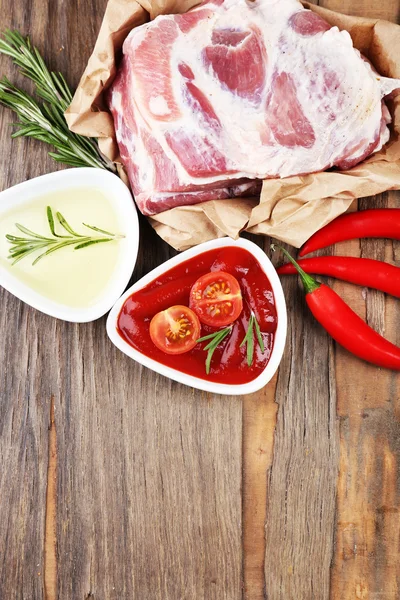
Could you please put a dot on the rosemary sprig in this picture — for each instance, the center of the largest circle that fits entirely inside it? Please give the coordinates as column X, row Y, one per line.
column 216, row 338
column 249, row 339
column 32, row 242
column 52, row 87
column 45, row 120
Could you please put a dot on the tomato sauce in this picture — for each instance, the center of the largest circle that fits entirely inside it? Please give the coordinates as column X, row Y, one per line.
column 229, row 361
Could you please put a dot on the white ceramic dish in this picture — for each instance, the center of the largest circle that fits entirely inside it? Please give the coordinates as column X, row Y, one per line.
column 122, row 201
column 196, row 382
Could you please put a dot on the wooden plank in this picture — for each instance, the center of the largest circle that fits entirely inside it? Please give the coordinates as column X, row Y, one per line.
column 300, row 514
column 148, row 471
column 50, row 536
column 24, row 419
column 259, row 420
column 367, row 557
column 28, row 375
column 287, row 519
column 302, row 477
column 367, row 561
column 150, row 481
column 125, row 515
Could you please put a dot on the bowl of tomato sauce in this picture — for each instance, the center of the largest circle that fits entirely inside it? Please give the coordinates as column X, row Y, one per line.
column 213, row 318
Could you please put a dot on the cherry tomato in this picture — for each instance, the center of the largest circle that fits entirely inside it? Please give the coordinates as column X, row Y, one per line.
column 175, row 330
column 216, row 299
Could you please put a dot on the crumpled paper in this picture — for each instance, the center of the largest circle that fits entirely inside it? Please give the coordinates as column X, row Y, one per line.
column 289, row 209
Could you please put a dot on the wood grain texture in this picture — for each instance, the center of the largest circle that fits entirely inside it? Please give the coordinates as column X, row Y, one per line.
column 148, row 498
column 302, row 477
column 154, row 509
column 302, row 538
column 366, row 562
column 24, row 421
column 50, row 536
column 148, row 471
column 367, row 557
column 259, row 421
column 28, row 376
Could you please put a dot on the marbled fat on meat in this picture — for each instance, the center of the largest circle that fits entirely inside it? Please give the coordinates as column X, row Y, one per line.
column 208, row 103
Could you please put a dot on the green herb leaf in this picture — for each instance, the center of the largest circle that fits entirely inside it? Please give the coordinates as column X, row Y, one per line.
column 250, row 348
column 53, row 248
column 63, row 222
column 259, row 336
column 97, row 229
column 17, row 256
column 14, row 238
column 91, row 242
column 216, row 338
column 24, row 246
column 207, row 337
column 29, row 232
column 50, row 220
column 249, row 339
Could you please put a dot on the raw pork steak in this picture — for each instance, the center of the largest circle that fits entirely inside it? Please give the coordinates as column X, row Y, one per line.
column 208, row 102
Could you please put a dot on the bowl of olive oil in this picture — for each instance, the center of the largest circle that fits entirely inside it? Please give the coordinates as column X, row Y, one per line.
column 68, row 242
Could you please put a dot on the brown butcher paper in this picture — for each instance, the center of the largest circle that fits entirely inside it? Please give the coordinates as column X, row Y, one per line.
column 289, row 209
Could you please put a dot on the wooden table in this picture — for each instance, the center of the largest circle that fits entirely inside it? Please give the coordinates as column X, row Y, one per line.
column 116, row 483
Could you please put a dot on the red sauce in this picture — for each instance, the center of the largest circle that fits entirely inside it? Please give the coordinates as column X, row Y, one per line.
column 229, row 362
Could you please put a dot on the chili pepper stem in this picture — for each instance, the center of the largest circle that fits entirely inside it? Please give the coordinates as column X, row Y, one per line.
column 310, row 284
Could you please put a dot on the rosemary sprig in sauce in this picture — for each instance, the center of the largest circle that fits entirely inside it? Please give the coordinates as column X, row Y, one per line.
column 249, row 339
column 34, row 242
column 215, row 339
column 218, row 336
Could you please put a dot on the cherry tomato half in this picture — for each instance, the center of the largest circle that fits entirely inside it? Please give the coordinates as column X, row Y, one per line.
column 216, row 299
column 175, row 330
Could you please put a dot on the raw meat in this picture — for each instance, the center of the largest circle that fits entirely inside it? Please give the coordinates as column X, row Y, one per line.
column 208, row 103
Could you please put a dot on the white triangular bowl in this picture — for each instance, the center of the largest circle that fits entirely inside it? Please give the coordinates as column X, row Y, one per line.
column 124, row 205
column 196, row 382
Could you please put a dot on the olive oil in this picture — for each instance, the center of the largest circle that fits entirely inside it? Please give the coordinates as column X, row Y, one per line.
column 74, row 278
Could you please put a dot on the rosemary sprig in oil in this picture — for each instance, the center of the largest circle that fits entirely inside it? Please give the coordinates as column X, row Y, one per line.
column 21, row 247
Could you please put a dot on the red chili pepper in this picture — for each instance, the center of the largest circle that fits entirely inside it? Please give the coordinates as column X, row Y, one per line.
column 362, row 271
column 345, row 326
column 373, row 223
